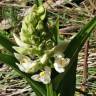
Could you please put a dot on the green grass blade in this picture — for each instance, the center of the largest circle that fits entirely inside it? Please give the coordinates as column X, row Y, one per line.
column 79, row 40
column 6, row 43
column 56, row 30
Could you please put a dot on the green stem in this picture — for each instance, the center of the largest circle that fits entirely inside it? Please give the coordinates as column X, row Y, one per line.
column 50, row 91
column 38, row 2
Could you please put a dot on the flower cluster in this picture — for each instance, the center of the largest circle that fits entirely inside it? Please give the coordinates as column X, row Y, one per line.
column 36, row 47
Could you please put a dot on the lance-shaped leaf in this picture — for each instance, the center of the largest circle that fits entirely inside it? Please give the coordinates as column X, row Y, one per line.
column 6, row 43
column 11, row 60
column 65, row 82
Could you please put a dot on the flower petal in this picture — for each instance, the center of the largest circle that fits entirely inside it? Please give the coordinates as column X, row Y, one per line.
column 36, row 77
column 60, row 62
column 23, row 50
column 58, row 68
column 43, row 58
column 20, row 67
column 44, row 76
column 19, row 42
column 48, row 70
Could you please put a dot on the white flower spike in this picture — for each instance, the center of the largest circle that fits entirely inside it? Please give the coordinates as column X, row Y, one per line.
column 44, row 76
column 60, row 62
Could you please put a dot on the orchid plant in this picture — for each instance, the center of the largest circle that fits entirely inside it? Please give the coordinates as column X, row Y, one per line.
column 46, row 62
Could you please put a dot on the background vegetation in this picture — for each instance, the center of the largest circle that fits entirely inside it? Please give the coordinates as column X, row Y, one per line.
column 72, row 18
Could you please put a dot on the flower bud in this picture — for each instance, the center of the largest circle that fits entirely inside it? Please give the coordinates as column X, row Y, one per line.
column 40, row 10
column 40, row 26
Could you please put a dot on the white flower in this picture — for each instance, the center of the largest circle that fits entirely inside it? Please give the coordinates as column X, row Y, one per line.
column 26, row 64
column 60, row 62
column 44, row 76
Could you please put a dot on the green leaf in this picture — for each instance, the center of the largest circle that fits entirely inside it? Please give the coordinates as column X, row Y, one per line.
column 6, row 43
column 66, row 86
column 79, row 40
column 56, row 30
column 65, row 82
column 11, row 60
